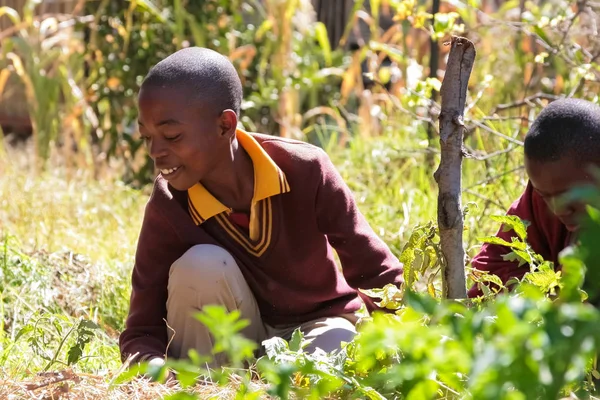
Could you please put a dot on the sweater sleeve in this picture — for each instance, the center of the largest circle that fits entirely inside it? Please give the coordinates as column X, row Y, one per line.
column 490, row 257
column 367, row 262
column 145, row 329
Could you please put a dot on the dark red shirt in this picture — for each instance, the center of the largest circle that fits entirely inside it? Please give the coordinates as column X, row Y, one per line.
column 546, row 235
column 241, row 219
column 289, row 265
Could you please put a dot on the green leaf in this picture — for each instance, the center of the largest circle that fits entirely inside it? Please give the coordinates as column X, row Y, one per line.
column 296, row 340
column 443, row 23
column 391, row 297
column 225, row 328
column 187, row 378
column 10, row 13
column 392, row 52
column 275, row 346
column 512, row 222
column 85, row 333
column 490, row 278
column 158, row 373
column 196, row 30
column 87, row 324
column 187, row 373
column 544, row 279
column 540, row 32
column 266, row 26
column 23, row 331
column 374, row 293
column 522, row 257
column 425, row 389
column 74, row 354
column 368, row 391
column 323, row 40
column 182, row 396
column 437, row 85
column 131, row 373
column 573, row 269
column 149, row 6
column 421, row 302
column 415, row 245
column 499, row 241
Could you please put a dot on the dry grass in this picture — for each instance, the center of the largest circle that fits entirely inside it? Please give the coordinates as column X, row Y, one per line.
column 67, row 384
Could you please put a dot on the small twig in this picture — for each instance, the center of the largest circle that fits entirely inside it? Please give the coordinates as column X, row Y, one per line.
column 494, row 132
column 580, row 7
column 493, row 178
column 506, row 118
column 8, row 32
column 526, row 101
column 396, row 103
column 431, row 103
column 60, row 345
column 35, row 386
column 478, row 97
column 472, row 154
column 577, row 87
column 56, row 378
column 486, row 199
column 522, row 27
column 447, row 388
column 171, row 339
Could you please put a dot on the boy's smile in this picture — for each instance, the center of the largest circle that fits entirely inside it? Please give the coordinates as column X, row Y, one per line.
column 183, row 136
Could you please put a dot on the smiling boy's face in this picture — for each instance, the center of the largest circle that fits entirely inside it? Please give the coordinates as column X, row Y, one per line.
column 553, row 179
column 186, row 139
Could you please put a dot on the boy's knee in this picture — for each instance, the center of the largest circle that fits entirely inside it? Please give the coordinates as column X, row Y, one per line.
column 329, row 334
column 201, row 267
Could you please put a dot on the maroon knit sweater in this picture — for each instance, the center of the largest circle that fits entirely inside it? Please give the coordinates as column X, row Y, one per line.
column 295, row 279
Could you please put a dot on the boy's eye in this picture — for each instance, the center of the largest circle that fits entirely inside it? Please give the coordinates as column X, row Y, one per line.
column 173, row 138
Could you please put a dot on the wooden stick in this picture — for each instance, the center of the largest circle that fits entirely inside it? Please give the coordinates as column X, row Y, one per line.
column 448, row 175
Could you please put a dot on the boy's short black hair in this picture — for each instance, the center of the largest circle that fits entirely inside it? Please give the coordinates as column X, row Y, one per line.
column 203, row 71
column 566, row 127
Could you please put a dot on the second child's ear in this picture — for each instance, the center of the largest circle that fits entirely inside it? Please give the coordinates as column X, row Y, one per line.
column 228, row 123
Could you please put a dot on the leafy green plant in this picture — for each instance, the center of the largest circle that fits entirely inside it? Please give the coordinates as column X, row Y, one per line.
column 49, row 335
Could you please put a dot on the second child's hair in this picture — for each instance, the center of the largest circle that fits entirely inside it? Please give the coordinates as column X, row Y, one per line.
column 566, row 127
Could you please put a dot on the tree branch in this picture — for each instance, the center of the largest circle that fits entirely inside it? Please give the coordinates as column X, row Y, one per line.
column 448, row 175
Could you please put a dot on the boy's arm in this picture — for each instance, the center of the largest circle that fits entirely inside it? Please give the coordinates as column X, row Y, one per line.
column 367, row 262
column 158, row 247
column 490, row 257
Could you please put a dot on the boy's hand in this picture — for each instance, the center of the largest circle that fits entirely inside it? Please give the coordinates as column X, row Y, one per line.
column 158, row 362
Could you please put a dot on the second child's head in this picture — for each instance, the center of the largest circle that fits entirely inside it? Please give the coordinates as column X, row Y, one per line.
column 560, row 147
column 189, row 106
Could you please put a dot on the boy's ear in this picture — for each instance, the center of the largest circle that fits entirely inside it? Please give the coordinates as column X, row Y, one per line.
column 228, row 123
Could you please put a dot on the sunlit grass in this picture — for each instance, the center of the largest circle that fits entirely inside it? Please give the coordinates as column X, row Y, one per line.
column 67, row 249
column 100, row 219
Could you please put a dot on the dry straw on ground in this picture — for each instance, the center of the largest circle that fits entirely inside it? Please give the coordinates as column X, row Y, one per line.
column 67, row 384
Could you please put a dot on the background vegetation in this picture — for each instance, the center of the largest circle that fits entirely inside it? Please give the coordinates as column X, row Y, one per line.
column 72, row 190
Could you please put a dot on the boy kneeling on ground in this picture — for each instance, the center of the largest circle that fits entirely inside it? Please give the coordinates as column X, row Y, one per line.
column 561, row 146
column 243, row 220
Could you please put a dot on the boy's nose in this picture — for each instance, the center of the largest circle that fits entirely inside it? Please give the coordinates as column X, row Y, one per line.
column 156, row 149
column 561, row 209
